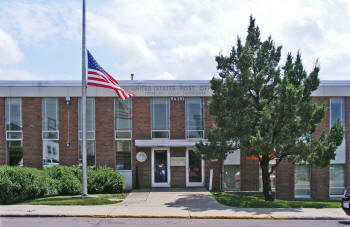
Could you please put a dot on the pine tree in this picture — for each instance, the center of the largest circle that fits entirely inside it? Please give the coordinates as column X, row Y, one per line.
column 265, row 110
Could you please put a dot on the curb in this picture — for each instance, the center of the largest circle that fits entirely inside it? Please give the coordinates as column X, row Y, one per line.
column 266, row 217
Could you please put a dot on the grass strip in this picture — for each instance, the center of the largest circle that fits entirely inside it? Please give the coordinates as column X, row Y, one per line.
column 101, row 199
column 244, row 201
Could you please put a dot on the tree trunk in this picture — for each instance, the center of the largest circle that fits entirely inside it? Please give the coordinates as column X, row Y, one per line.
column 264, row 164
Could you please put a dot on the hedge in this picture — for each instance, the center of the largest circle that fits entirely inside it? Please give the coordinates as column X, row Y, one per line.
column 18, row 184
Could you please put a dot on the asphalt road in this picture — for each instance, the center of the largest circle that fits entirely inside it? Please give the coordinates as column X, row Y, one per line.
column 96, row 222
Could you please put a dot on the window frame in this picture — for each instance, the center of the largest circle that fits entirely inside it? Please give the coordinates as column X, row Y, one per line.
column 187, row 130
column 168, row 118
column 295, row 190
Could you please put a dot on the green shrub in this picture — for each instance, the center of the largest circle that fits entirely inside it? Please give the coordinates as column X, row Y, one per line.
column 105, row 180
column 68, row 177
column 21, row 183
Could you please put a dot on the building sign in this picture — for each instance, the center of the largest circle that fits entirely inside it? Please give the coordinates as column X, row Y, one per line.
column 177, row 161
column 177, row 98
column 141, row 156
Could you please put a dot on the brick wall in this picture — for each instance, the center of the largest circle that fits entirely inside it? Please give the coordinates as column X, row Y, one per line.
column 32, row 141
column 141, row 120
column 2, row 132
column 68, row 130
column 178, row 173
column 320, row 176
column 285, row 181
column 249, row 174
column 347, row 137
column 319, row 183
column 208, row 119
column 177, row 120
column 104, row 124
column 217, row 172
column 144, row 169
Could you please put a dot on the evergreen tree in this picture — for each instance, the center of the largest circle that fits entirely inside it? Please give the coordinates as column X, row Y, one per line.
column 265, row 110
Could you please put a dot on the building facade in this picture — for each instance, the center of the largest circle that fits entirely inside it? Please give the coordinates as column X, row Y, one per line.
column 149, row 138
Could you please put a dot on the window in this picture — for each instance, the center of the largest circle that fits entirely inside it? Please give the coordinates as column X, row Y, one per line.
column 302, row 181
column 50, row 133
column 337, row 110
column 232, row 177
column 14, row 134
column 123, row 134
column 90, row 132
column 336, row 180
column 194, row 118
column 272, row 179
column 160, row 118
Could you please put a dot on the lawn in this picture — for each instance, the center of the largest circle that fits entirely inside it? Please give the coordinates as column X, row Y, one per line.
column 243, row 201
column 101, row 199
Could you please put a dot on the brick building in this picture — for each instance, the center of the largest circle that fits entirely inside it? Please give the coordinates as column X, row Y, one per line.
column 149, row 139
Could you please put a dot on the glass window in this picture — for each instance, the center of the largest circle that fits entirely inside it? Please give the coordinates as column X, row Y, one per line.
column 123, row 118
column 194, row 118
column 123, row 154
column 50, row 133
column 337, row 110
column 302, row 181
column 90, row 132
column 272, row 179
column 123, row 134
column 160, row 117
column 232, row 178
column 336, row 180
column 13, row 120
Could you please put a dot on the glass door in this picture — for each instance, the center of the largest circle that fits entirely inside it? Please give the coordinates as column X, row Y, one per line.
column 160, row 168
column 194, row 170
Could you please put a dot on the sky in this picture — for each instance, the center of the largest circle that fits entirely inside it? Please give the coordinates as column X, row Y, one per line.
column 165, row 40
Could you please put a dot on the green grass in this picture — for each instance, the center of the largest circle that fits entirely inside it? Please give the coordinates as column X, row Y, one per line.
column 243, row 201
column 101, row 199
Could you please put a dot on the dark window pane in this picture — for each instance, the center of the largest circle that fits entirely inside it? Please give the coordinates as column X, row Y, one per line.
column 14, row 153
column 123, row 155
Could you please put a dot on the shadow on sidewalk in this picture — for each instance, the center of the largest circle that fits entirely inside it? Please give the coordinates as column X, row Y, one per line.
column 205, row 202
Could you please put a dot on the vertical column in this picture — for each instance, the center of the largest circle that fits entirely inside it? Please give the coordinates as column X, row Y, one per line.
column 178, row 173
column 320, row 176
column 68, row 129
column 347, row 137
column 285, row 180
column 2, row 132
column 177, row 119
column 208, row 119
column 141, row 129
column 32, row 140
column 249, row 173
column 104, row 118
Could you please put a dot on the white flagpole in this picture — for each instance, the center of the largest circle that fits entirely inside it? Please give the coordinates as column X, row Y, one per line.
column 83, row 101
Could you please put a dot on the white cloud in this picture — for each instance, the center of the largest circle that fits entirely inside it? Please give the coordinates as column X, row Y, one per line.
column 165, row 76
column 9, row 51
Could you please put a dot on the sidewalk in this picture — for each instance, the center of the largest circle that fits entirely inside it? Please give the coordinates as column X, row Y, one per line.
column 169, row 203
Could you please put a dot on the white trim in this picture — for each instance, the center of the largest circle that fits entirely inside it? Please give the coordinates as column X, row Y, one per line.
column 194, row 184
column 167, row 184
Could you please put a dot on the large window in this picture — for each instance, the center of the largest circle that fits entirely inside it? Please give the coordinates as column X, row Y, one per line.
column 90, row 132
column 336, row 180
column 194, row 118
column 337, row 110
column 13, row 119
column 160, row 118
column 232, row 177
column 302, row 181
column 123, row 134
column 50, row 133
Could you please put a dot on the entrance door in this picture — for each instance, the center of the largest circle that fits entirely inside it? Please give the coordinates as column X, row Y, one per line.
column 160, row 168
column 194, row 170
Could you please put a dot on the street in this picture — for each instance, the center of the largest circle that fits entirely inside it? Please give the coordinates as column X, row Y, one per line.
column 96, row 222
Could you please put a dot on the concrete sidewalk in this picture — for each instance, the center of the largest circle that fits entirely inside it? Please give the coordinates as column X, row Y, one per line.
column 170, row 203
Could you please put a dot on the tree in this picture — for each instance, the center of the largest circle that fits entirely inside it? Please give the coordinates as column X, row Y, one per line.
column 265, row 110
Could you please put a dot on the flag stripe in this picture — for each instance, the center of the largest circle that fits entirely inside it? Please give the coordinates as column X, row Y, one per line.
column 98, row 77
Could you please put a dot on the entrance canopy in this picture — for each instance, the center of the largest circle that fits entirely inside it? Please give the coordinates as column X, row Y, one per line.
column 166, row 143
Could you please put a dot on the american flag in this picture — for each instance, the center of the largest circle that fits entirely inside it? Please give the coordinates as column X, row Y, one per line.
column 98, row 77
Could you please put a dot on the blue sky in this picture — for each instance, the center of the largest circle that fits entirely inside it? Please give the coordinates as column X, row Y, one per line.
column 159, row 39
